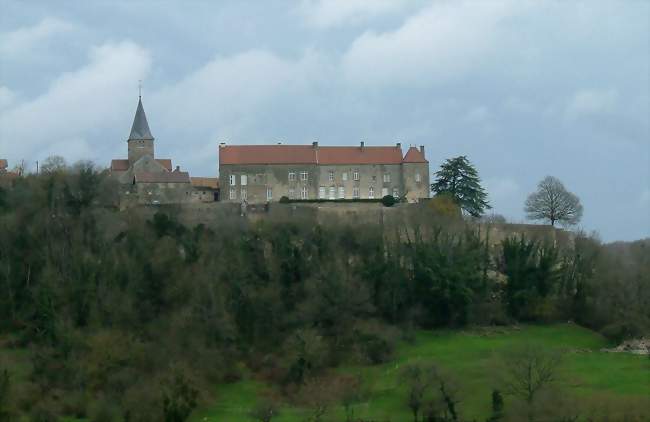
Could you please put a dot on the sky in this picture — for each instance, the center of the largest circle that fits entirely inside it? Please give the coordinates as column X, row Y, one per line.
column 524, row 89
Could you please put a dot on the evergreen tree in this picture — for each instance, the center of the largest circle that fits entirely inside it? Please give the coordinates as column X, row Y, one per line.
column 458, row 177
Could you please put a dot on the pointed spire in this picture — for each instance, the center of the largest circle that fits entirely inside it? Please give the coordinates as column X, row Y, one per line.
column 140, row 129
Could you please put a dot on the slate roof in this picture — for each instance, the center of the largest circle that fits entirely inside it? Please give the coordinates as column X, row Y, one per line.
column 414, row 155
column 309, row 154
column 123, row 165
column 140, row 128
column 205, row 182
column 167, row 177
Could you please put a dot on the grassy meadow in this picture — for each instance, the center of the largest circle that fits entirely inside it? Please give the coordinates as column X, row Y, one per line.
column 472, row 357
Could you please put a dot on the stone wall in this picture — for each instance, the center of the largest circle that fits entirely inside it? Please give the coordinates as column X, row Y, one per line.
column 402, row 219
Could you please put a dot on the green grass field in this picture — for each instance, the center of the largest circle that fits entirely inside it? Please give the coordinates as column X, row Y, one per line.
column 473, row 359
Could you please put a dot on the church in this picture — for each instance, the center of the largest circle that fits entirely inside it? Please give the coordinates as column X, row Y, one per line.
column 146, row 179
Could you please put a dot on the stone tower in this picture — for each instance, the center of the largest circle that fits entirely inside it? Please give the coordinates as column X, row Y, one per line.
column 140, row 140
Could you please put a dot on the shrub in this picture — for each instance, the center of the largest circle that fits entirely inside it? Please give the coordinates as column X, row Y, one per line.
column 444, row 205
column 179, row 400
column 284, row 200
column 374, row 342
column 388, row 200
column 620, row 331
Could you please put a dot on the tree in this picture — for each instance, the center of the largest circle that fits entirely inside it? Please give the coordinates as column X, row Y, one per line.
column 458, row 178
column 417, row 385
column 53, row 164
column 554, row 203
column 179, row 400
column 264, row 411
column 529, row 370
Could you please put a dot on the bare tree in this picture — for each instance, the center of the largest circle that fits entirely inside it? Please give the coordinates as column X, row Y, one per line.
column 431, row 393
column 417, row 384
column 53, row 164
column 264, row 411
column 529, row 370
column 554, row 203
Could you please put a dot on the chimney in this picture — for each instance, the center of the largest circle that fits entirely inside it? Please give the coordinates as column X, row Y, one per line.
column 363, row 144
column 314, row 144
column 279, row 142
column 222, row 144
column 399, row 145
column 422, row 149
column 178, row 168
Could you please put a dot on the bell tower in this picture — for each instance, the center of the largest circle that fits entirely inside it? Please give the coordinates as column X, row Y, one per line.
column 140, row 140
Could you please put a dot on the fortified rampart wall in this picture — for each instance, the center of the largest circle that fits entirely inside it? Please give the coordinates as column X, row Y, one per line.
column 404, row 220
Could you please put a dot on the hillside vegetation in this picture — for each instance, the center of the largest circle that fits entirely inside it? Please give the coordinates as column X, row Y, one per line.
column 591, row 382
column 106, row 316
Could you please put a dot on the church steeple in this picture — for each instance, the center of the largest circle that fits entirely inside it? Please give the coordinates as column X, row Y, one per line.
column 140, row 140
column 140, row 128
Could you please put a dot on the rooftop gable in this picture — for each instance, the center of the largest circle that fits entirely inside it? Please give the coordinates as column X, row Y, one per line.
column 414, row 155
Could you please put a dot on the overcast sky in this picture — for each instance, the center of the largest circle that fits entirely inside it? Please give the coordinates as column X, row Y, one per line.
column 524, row 89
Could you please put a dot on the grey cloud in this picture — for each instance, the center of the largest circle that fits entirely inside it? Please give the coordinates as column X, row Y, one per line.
column 493, row 80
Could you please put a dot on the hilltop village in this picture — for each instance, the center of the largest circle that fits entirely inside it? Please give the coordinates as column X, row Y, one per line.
column 266, row 173
column 257, row 174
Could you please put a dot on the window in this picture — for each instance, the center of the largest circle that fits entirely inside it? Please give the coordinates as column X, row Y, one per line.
column 371, row 192
column 384, row 192
column 292, row 194
column 269, row 193
column 332, row 192
column 303, row 193
column 374, row 178
column 303, row 176
column 321, row 192
column 331, row 176
column 355, row 175
column 345, row 176
column 418, row 179
column 355, row 192
column 341, row 192
column 233, row 180
column 233, row 193
column 386, row 177
column 243, row 194
column 244, row 180
column 395, row 193
column 292, row 176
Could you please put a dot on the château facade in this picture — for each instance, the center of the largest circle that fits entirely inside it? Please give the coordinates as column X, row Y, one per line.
column 265, row 173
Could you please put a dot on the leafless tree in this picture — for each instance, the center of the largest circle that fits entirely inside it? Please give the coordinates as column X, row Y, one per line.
column 53, row 164
column 264, row 411
column 554, row 203
column 417, row 384
column 530, row 369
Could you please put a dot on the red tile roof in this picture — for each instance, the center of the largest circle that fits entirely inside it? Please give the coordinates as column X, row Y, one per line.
column 308, row 154
column 119, row 165
column 414, row 155
column 267, row 154
column 165, row 162
column 166, row 177
column 123, row 165
column 205, row 182
column 358, row 155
